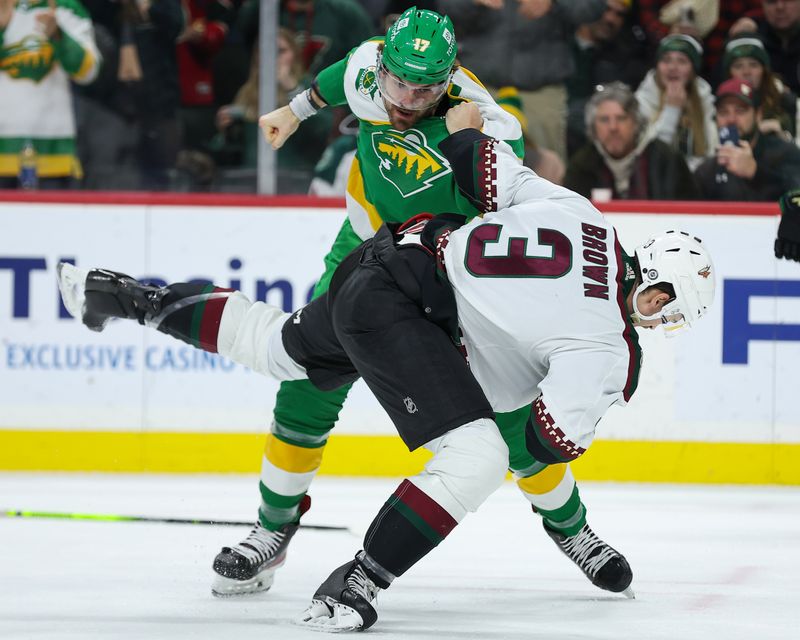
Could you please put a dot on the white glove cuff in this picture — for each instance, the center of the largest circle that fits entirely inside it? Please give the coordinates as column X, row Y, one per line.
column 303, row 105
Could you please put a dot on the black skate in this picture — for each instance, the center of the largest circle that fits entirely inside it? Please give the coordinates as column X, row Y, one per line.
column 97, row 295
column 250, row 566
column 603, row 565
column 343, row 602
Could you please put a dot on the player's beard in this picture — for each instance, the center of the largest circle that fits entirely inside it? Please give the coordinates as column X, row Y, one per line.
column 403, row 119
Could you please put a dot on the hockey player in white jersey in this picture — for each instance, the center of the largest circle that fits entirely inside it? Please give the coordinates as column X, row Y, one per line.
column 538, row 295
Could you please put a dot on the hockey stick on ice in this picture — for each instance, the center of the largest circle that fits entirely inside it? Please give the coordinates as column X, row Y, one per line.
column 100, row 517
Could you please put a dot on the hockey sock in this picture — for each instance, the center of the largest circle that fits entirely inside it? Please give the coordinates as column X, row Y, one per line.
column 407, row 527
column 287, row 469
column 553, row 494
column 468, row 464
column 191, row 313
column 304, row 416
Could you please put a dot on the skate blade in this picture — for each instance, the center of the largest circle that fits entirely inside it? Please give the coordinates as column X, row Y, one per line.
column 72, row 284
column 336, row 618
column 628, row 593
column 229, row 588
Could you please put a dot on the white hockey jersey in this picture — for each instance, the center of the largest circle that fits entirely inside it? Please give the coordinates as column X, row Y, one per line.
column 540, row 286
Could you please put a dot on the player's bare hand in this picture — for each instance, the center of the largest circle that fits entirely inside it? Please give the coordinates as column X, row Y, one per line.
column 46, row 23
column 278, row 125
column 463, row 116
column 533, row 9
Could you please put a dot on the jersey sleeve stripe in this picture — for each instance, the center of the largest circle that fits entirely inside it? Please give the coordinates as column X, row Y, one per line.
column 629, row 333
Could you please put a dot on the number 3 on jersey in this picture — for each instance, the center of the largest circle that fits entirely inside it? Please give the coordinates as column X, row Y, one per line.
column 515, row 263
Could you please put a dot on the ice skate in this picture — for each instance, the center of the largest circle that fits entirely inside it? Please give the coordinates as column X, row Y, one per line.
column 97, row 295
column 250, row 566
column 343, row 602
column 603, row 565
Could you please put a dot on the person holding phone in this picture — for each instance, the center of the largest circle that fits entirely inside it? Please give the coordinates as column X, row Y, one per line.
column 749, row 164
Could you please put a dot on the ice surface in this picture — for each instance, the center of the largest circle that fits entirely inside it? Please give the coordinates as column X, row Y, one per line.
column 709, row 563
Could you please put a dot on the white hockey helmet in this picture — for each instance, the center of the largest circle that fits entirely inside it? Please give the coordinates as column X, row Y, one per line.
column 679, row 259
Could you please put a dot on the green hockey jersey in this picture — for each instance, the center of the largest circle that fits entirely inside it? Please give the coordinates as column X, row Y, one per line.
column 398, row 174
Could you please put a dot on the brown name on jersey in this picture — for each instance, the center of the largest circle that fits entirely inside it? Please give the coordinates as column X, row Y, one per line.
column 595, row 253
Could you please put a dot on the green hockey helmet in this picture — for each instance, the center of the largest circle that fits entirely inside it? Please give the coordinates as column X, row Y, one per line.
column 420, row 47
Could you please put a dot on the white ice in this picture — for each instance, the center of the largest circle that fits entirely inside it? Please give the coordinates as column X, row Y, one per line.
column 710, row 563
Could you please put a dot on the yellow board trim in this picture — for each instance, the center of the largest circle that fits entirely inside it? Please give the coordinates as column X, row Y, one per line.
column 544, row 481
column 292, row 458
column 385, row 456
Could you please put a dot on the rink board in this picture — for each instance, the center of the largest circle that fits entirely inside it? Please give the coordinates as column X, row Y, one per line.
column 714, row 405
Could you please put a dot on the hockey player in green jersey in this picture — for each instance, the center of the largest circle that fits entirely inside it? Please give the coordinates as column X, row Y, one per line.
column 399, row 87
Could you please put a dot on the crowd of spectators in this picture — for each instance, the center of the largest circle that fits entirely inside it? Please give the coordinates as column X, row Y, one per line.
column 654, row 99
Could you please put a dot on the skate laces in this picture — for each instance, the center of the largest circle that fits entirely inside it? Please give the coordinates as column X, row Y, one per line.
column 359, row 583
column 587, row 550
column 260, row 544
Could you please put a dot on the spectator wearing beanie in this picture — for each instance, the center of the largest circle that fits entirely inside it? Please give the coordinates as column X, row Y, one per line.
column 677, row 103
column 746, row 58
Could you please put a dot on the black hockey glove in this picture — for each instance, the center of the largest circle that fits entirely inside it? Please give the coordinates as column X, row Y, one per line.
column 438, row 225
column 787, row 244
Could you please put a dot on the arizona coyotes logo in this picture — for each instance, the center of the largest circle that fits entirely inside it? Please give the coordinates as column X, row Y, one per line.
column 29, row 59
column 704, row 272
column 407, row 161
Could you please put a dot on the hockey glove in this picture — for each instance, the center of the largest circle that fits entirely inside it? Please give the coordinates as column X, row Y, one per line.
column 787, row 244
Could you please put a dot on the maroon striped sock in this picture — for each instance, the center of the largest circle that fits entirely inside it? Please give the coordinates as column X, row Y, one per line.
column 198, row 321
column 408, row 526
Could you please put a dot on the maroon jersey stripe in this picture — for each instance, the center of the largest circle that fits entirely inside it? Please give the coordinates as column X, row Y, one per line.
column 634, row 351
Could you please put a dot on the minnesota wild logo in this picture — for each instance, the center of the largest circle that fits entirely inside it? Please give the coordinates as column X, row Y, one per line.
column 366, row 82
column 30, row 59
column 407, row 161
